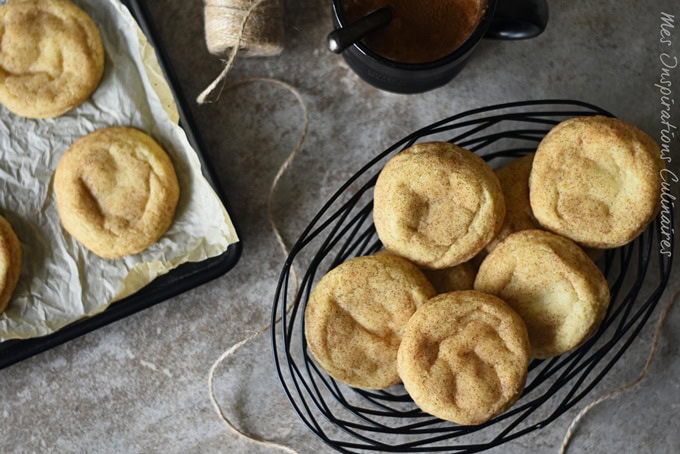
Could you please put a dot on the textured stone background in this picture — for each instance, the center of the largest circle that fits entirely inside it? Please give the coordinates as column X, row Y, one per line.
column 140, row 385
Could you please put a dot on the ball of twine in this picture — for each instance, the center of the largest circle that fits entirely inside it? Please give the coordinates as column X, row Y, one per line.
column 226, row 27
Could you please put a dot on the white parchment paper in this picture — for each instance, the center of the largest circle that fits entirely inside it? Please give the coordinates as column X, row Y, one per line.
column 61, row 281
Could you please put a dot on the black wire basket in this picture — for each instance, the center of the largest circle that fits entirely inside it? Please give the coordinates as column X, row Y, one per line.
column 355, row 420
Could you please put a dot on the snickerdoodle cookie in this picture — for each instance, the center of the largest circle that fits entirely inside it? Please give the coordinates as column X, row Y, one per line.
column 514, row 178
column 464, row 357
column 116, row 191
column 10, row 262
column 356, row 315
column 437, row 204
column 553, row 285
column 51, row 58
column 459, row 277
column 596, row 180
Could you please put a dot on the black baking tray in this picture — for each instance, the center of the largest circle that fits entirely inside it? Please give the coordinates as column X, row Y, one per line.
column 181, row 279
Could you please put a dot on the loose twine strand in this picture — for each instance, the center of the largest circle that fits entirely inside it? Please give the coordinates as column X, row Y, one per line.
column 284, row 248
column 628, row 386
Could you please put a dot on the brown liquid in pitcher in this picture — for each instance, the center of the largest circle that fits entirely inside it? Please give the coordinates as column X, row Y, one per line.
column 421, row 30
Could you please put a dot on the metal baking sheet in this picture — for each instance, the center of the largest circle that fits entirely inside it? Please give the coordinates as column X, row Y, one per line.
column 185, row 277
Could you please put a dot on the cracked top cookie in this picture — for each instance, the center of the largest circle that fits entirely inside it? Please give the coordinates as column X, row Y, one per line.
column 51, row 58
column 10, row 262
column 464, row 357
column 553, row 285
column 356, row 315
column 596, row 180
column 116, row 191
column 437, row 205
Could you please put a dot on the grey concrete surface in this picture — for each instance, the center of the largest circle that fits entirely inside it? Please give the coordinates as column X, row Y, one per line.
column 140, row 385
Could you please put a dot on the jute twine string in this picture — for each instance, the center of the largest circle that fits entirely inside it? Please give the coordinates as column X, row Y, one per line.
column 284, row 248
column 263, row 36
column 628, row 386
column 229, row 25
column 232, row 26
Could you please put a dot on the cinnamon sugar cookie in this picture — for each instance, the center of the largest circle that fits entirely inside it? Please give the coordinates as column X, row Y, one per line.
column 356, row 315
column 464, row 357
column 552, row 284
column 51, row 58
column 116, row 191
column 10, row 262
column 597, row 181
column 514, row 178
column 437, row 205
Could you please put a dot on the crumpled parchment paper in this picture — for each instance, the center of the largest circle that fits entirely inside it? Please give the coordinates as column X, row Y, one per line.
column 61, row 281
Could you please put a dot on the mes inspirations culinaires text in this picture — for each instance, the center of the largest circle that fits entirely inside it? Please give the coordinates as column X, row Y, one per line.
column 669, row 62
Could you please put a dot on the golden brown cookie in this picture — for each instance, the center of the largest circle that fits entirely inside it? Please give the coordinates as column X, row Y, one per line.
column 459, row 277
column 356, row 315
column 116, row 191
column 464, row 357
column 437, row 204
column 51, row 58
column 552, row 284
column 10, row 262
column 596, row 180
column 514, row 178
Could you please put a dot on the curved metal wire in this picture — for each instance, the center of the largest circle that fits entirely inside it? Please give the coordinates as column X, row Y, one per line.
column 353, row 420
